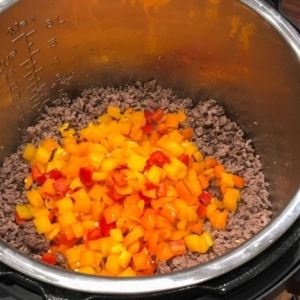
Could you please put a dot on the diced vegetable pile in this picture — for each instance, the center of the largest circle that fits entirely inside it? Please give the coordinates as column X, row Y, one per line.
column 125, row 193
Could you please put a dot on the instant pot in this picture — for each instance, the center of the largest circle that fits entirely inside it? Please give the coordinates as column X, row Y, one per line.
column 242, row 53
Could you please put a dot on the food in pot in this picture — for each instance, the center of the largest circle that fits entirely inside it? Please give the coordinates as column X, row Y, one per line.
column 54, row 190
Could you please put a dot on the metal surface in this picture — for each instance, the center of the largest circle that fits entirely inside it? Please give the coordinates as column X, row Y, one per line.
column 243, row 53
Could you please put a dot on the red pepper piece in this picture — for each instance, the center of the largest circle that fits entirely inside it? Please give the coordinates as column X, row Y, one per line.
column 147, row 168
column 35, row 172
column 205, row 197
column 146, row 199
column 105, row 228
column 158, row 158
column 94, row 234
column 201, row 210
column 86, row 176
column 147, row 129
column 184, row 158
column 41, row 179
column 158, row 115
column 54, row 174
column 115, row 196
column 51, row 216
column 62, row 240
column 161, row 190
column 119, row 178
column 61, row 185
column 49, row 258
column 19, row 220
column 150, row 186
column 148, row 116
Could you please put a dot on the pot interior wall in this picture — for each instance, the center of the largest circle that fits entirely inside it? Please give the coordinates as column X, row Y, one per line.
column 200, row 49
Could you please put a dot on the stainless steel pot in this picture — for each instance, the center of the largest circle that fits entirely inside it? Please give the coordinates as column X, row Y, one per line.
column 243, row 53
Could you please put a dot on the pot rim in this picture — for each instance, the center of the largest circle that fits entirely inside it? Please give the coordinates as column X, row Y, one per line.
column 188, row 277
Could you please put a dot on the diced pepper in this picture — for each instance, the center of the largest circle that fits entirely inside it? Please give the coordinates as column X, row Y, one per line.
column 49, row 258
column 148, row 116
column 42, row 224
column 205, row 197
column 219, row 170
column 29, row 152
column 119, row 178
column 238, row 181
column 61, row 185
column 184, row 158
column 147, row 129
column 137, row 162
column 201, row 210
column 114, row 112
column 127, row 273
column 230, row 199
column 34, row 198
column 95, row 234
column 112, row 213
column 114, row 195
column 158, row 158
column 86, row 176
column 19, row 220
column 177, row 247
column 210, row 162
column 227, row 180
column 105, row 228
column 35, row 172
column 158, row 115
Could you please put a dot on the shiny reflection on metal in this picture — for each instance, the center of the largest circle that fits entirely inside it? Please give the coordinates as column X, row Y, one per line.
column 198, row 274
column 5, row 4
column 278, row 21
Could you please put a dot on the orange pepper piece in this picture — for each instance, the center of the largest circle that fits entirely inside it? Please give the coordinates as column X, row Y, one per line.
column 238, row 181
column 187, row 133
column 219, row 170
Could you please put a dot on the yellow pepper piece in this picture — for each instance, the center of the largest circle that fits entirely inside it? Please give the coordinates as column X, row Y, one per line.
column 137, row 162
column 53, row 233
column 29, row 152
column 230, row 199
column 116, row 234
column 42, row 211
column 182, row 116
column 114, row 112
column 42, row 154
column 227, row 180
column 28, row 182
column 42, row 224
column 64, row 204
column 66, row 219
column 24, row 211
column 35, row 198
column 127, row 273
column 105, row 119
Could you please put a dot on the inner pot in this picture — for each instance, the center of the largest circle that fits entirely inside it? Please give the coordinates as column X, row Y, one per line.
column 241, row 53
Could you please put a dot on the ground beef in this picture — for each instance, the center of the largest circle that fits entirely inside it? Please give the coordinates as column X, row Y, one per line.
column 215, row 135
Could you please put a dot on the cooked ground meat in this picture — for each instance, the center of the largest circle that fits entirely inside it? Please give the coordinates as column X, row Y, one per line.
column 215, row 135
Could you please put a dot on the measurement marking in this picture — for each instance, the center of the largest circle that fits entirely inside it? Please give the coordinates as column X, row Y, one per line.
column 24, row 63
column 45, row 101
column 29, row 73
column 39, row 69
column 29, row 87
column 34, row 96
column 35, row 52
column 29, row 64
